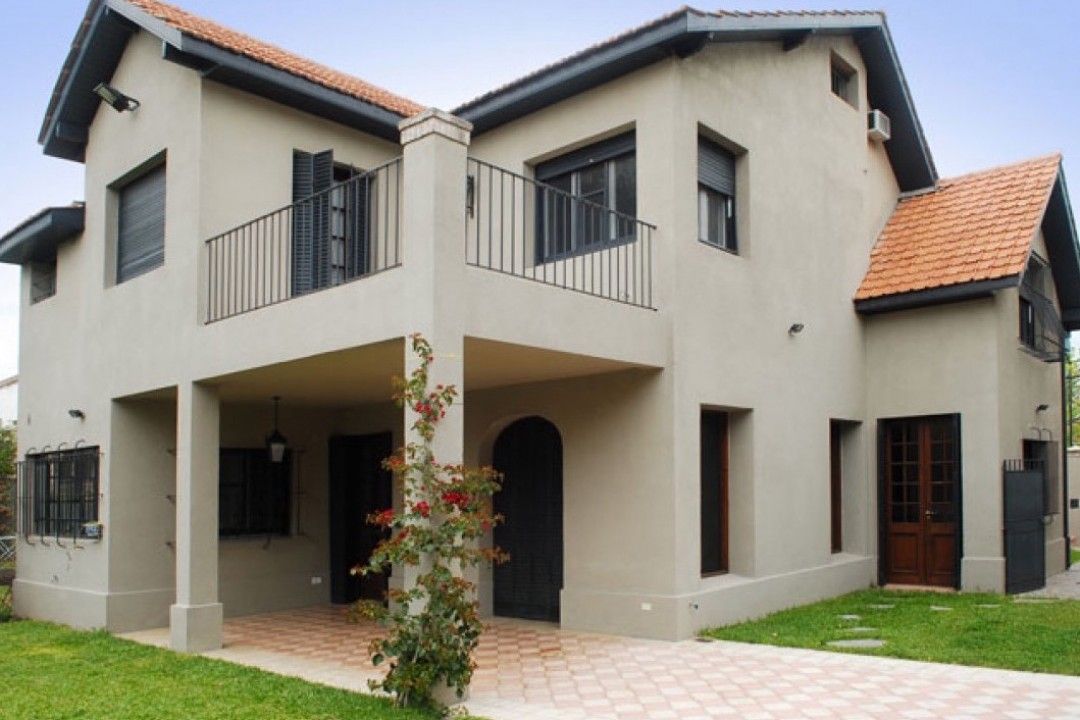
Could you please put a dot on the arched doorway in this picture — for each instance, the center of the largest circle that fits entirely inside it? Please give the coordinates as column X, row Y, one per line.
column 529, row 455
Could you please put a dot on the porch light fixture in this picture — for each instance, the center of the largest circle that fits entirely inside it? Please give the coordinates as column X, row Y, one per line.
column 795, row 329
column 117, row 100
column 275, row 441
column 1042, row 407
column 77, row 414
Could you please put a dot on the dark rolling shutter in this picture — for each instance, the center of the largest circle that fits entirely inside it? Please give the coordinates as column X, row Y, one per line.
column 312, row 173
column 716, row 167
column 141, row 225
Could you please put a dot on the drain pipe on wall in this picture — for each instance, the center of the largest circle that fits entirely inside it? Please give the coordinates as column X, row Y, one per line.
column 1066, row 442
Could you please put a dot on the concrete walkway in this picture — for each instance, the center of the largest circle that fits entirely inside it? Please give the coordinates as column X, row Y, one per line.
column 1064, row 585
column 534, row 671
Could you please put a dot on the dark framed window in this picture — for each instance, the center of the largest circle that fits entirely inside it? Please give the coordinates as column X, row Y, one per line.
column 716, row 196
column 836, row 486
column 844, row 81
column 714, row 492
column 587, row 200
column 140, row 224
column 42, row 280
column 1034, row 305
column 253, row 493
column 59, row 491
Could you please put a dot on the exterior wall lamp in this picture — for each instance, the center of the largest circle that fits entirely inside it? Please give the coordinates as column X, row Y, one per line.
column 275, row 441
column 795, row 329
column 77, row 414
column 117, row 100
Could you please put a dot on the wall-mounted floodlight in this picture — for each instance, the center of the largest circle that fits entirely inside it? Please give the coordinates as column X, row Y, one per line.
column 77, row 414
column 795, row 329
column 117, row 100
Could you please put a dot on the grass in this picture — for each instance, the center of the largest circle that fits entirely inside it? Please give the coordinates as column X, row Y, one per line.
column 5, row 603
column 1042, row 637
column 53, row 673
column 1075, row 554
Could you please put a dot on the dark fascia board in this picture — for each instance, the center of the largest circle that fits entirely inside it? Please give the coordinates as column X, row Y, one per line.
column 1059, row 231
column 100, row 44
column 683, row 33
column 935, row 296
column 36, row 239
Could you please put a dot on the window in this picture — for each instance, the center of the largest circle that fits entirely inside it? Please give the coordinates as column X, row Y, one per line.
column 844, row 81
column 330, row 222
column 140, row 235
column 1034, row 305
column 253, row 493
column 42, row 280
column 590, row 200
column 714, row 492
column 836, row 486
column 60, row 491
column 716, row 196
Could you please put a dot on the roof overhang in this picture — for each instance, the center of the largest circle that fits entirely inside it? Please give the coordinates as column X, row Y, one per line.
column 36, row 239
column 100, row 42
column 935, row 296
column 687, row 31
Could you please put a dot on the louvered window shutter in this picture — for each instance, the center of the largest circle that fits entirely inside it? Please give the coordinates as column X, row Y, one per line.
column 358, row 192
column 312, row 174
column 716, row 167
column 140, row 244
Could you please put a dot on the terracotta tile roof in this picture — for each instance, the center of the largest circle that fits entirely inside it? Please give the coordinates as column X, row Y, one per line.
column 273, row 56
column 973, row 227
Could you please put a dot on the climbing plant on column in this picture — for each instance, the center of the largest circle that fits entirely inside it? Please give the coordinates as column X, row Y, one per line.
column 433, row 626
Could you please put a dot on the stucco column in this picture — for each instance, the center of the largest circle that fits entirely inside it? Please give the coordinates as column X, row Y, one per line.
column 196, row 618
column 435, row 144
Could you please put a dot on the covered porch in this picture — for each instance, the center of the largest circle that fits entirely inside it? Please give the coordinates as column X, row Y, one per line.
column 241, row 535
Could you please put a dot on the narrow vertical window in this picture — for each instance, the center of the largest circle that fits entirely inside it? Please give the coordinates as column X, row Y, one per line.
column 716, row 196
column 714, row 492
column 836, row 486
column 844, row 79
column 140, row 245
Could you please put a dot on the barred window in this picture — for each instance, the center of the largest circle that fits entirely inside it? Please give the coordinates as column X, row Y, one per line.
column 59, row 492
column 253, row 493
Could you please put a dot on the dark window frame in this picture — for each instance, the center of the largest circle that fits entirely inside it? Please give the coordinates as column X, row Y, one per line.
column 152, row 170
column 717, row 196
column 574, row 219
column 836, row 486
column 238, row 513
column 1033, row 284
column 60, row 491
column 844, row 80
column 715, row 500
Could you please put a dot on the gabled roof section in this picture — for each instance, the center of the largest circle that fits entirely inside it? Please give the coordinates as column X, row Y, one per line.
column 36, row 238
column 973, row 235
column 220, row 53
column 686, row 31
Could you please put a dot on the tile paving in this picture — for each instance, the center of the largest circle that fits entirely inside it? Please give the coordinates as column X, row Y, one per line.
column 535, row 671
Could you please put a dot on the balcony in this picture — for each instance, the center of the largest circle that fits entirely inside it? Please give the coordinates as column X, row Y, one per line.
column 348, row 232
column 353, row 230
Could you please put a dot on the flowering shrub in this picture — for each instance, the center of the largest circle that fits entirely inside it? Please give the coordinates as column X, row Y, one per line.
column 434, row 625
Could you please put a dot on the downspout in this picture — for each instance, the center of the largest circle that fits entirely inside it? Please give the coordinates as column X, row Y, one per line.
column 1066, row 437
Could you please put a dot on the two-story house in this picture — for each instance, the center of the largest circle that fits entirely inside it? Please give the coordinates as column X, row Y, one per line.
column 731, row 340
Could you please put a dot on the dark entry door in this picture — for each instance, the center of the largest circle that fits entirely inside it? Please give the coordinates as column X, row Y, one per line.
column 358, row 486
column 1025, row 534
column 529, row 455
column 921, row 501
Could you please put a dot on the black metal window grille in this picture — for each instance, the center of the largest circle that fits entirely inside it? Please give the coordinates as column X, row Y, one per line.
column 1040, row 329
column 58, row 492
column 253, row 494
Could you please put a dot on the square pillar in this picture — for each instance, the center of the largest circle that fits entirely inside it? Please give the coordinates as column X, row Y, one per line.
column 195, row 620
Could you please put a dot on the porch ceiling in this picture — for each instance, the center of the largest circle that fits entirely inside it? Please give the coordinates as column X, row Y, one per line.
column 489, row 363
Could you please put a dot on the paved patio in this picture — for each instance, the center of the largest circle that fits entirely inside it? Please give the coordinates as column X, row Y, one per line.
column 534, row 671
column 1064, row 585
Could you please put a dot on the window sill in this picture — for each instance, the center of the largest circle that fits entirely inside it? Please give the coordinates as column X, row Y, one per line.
column 729, row 251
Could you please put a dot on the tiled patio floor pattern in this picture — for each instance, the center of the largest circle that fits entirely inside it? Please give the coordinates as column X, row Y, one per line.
column 529, row 671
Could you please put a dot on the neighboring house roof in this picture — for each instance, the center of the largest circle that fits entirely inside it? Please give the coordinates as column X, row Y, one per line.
column 972, row 235
column 686, row 31
column 222, row 54
column 36, row 238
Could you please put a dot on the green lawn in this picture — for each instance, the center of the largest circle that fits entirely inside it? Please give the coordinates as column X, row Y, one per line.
column 1042, row 636
column 48, row 673
column 1075, row 555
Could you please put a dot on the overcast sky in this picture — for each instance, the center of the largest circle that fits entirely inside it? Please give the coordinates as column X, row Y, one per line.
column 993, row 81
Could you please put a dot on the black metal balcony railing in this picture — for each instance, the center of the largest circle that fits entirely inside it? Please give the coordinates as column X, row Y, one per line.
column 347, row 232
column 521, row 227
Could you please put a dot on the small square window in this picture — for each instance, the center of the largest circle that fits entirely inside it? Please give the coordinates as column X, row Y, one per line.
column 844, row 81
column 42, row 280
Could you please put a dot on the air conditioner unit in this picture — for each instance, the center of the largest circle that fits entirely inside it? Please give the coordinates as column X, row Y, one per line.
column 878, row 127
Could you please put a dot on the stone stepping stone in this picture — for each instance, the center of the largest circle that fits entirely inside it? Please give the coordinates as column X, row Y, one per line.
column 987, row 606
column 861, row 630
column 881, row 607
column 866, row 643
column 1034, row 601
column 940, row 608
column 850, row 617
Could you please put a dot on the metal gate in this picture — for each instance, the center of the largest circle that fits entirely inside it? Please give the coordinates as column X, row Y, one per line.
column 1025, row 534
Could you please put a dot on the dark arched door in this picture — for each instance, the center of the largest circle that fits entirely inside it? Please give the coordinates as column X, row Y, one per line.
column 529, row 455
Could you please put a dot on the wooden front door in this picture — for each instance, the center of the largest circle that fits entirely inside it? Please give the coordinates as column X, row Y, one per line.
column 529, row 455
column 921, row 496
column 359, row 486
